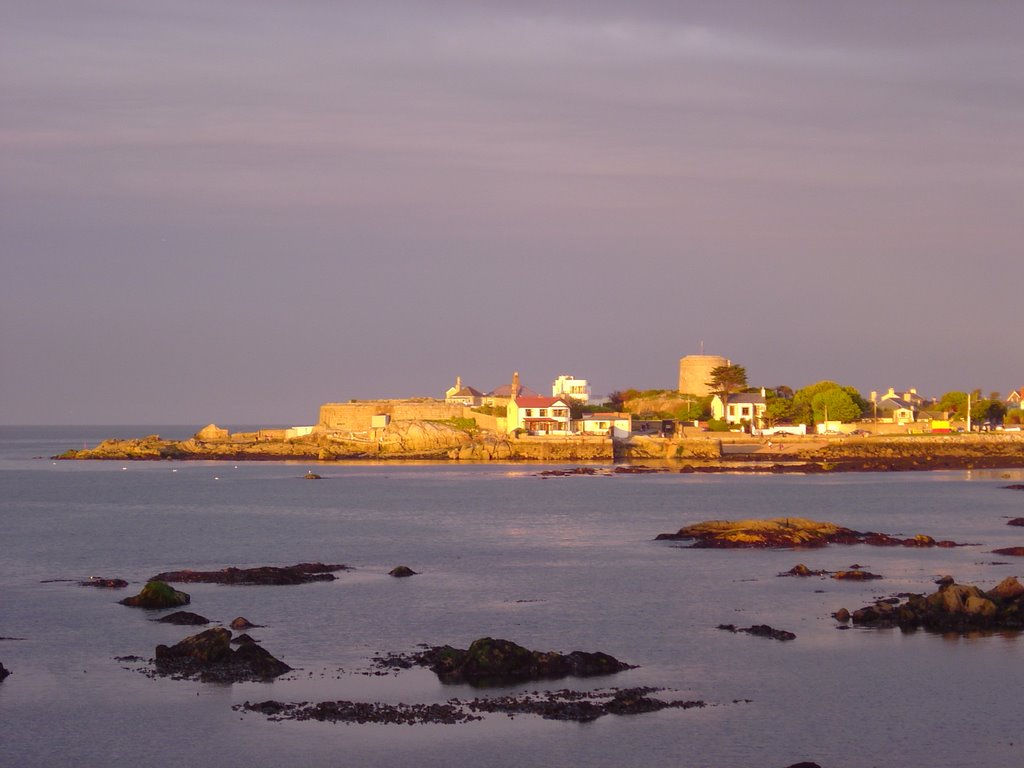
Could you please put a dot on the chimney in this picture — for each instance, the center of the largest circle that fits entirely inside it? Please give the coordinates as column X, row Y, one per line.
column 458, row 383
column 515, row 385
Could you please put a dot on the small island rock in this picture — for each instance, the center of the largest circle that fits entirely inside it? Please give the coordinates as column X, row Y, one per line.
column 209, row 657
column 157, row 594
column 401, row 571
column 490, row 661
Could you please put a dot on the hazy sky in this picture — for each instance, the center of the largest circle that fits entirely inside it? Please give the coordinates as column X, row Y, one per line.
column 234, row 211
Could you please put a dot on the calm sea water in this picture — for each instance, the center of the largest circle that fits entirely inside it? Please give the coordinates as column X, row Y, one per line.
column 560, row 563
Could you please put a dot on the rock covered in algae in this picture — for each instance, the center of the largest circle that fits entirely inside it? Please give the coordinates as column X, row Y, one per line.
column 786, row 532
column 157, row 594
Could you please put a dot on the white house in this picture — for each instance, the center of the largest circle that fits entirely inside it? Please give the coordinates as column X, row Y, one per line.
column 618, row 425
column 567, row 385
column 742, row 408
column 539, row 415
column 895, row 409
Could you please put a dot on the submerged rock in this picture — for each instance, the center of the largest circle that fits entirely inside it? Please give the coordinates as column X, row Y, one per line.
column 4, row 672
column 490, row 661
column 786, row 532
column 760, row 630
column 401, row 572
column 241, row 622
column 301, row 573
column 311, row 476
column 157, row 594
column 575, row 706
column 855, row 575
column 102, row 583
column 183, row 618
column 1012, row 551
column 209, row 657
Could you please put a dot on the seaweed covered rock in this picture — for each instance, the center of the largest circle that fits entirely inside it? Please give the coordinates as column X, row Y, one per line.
column 157, row 594
column 490, row 661
column 209, row 657
column 954, row 607
column 784, row 533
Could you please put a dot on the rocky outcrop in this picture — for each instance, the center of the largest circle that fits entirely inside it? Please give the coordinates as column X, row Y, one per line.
column 209, row 657
column 157, row 594
column 954, row 607
column 241, row 622
column 760, row 630
column 401, row 572
column 857, row 574
column 3, row 672
column 490, row 661
column 1010, row 551
column 786, row 532
column 301, row 573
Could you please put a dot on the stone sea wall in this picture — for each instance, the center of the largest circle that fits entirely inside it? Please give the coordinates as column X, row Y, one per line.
column 444, row 441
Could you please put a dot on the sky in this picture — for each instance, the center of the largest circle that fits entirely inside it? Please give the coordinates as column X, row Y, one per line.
column 234, row 211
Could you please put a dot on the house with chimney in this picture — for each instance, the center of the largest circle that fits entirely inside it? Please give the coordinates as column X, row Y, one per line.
column 538, row 415
column 741, row 408
column 463, row 395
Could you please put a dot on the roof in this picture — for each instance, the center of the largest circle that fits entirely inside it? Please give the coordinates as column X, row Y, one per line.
column 894, row 403
column 468, row 392
column 540, row 402
column 605, row 416
column 755, row 398
column 505, row 390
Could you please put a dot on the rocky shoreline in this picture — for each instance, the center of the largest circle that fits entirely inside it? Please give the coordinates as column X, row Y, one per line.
column 708, row 453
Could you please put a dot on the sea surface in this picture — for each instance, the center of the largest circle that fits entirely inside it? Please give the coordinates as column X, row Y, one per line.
column 551, row 563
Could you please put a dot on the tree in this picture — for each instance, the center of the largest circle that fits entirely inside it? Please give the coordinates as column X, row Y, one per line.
column 953, row 402
column 803, row 408
column 834, row 405
column 991, row 411
column 727, row 379
column 778, row 410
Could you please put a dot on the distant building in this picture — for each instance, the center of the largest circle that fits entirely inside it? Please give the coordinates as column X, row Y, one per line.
column 618, row 425
column 570, row 386
column 501, row 395
column 695, row 372
column 463, row 395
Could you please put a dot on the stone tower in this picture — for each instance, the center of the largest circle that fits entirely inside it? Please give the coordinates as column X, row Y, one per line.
column 694, row 372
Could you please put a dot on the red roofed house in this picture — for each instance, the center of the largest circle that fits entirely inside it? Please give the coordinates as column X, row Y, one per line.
column 539, row 415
